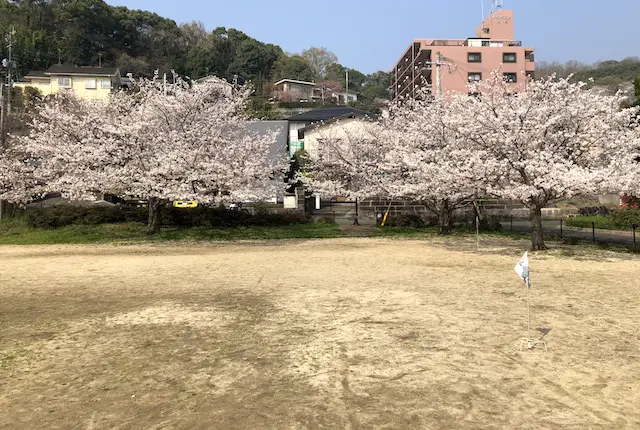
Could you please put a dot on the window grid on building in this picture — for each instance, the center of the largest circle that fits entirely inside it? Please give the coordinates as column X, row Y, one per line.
column 509, row 57
column 474, row 57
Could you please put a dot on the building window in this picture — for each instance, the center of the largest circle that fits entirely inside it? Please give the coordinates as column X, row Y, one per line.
column 475, row 77
column 90, row 84
column 485, row 30
column 474, row 57
column 511, row 77
column 486, row 43
column 509, row 57
column 105, row 84
column 64, row 82
column 295, row 147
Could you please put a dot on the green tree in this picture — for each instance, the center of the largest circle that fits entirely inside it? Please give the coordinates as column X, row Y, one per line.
column 319, row 59
column 253, row 59
column 292, row 67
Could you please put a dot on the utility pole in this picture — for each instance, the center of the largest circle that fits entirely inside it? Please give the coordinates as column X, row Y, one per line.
column 438, row 63
column 5, row 105
column 438, row 74
column 9, row 79
column 3, row 112
column 346, row 97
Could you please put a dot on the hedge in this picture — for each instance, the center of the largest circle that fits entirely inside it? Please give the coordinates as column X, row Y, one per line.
column 59, row 216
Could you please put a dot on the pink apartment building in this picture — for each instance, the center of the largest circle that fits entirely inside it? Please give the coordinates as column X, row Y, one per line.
column 472, row 59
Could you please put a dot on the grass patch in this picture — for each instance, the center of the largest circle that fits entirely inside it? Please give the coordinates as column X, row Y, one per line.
column 602, row 222
column 16, row 232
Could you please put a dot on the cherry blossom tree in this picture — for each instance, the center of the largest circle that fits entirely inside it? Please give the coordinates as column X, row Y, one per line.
column 415, row 153
column 429, row 161
column 345, row 160
column 553, row 141
column 625, row 166
column 180, row 142
column 17, row 182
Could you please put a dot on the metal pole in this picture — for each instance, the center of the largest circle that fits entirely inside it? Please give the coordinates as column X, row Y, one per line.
column 560, row 228
column 355, row 221
column 512, row 223
column 529, row 307
column 438, row 75
column 346, row 101
column 477, row 231
column 593, row 231
column 9, row 83
column 3, row 112
column 634, row 233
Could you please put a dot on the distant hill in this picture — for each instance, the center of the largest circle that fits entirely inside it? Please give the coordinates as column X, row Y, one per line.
column 610, row 75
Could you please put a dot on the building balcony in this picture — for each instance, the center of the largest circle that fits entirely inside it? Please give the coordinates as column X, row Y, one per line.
column 448, row 43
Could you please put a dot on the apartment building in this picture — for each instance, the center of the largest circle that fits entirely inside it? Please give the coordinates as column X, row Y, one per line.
column 465, row 60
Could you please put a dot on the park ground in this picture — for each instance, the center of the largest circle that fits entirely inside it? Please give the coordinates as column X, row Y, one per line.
column 349, row 333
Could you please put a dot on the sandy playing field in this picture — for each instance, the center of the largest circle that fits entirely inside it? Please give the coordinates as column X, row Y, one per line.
column 325, row 334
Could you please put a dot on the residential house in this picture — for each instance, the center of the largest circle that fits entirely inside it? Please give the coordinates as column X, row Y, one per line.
column 95, row 83
column 317, row 116
column 293, row 90
column 341, row 127
column 465, row 60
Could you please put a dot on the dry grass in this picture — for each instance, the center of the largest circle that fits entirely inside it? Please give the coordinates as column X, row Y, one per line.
column 345, row 333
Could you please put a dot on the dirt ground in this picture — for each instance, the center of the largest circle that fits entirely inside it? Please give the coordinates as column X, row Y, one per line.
column 323, row 334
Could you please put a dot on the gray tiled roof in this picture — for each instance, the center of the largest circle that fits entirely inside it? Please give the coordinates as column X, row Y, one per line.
column 69, row 69
column 326, row 113
column 279, row 145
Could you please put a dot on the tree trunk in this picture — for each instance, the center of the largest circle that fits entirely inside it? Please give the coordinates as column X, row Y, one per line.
column 445, row 218
column 155, row 207
column 537, row 237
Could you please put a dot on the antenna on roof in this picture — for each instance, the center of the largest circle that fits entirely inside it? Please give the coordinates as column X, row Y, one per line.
column 496, row 5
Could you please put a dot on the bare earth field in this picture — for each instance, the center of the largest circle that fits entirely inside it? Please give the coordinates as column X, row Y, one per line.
column 324, row 334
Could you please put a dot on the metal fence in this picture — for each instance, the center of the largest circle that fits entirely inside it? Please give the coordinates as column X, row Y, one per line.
column 558, row 228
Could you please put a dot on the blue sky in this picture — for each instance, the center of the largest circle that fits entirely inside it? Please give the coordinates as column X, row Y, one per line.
column 371, row 35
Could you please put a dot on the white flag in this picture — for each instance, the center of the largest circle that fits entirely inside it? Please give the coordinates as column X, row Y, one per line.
column 522, row 269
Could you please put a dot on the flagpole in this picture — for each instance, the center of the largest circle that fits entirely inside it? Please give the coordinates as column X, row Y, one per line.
column 522, row 269
column 529, row 306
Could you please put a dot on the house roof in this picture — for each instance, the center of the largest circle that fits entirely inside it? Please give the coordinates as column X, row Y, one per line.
column 69, row 69
column 326, row 113
column 331, row 121
column 36, row 74
column 293, row 81
column 278, row 147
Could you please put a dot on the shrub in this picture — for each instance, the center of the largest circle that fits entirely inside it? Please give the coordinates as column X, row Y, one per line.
column 624, row 219
column 406, row 220
column 490, row 223
column 593, row 211
column 219, row 217
column 60, row 216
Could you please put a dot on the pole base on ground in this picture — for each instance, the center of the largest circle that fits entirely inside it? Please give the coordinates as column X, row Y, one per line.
column 530, row 344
